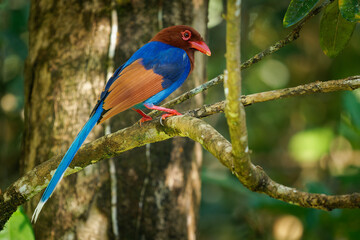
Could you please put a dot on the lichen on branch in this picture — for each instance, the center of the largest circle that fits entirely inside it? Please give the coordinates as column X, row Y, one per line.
column 346, row 84
column 234, row 110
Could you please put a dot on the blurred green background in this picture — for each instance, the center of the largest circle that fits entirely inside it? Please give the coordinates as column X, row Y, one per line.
column 311, row 142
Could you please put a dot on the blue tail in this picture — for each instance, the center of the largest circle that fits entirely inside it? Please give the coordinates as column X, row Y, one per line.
column 65, row 162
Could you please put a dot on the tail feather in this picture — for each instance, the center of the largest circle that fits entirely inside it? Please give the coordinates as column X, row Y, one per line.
column 65, row 162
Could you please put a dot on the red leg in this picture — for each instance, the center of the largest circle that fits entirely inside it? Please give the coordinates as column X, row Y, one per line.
column 170, row 112
column 144, row 116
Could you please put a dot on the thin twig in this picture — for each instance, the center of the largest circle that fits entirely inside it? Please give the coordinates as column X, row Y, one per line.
column 195, row 91
column 292, row 36
column 346, row 84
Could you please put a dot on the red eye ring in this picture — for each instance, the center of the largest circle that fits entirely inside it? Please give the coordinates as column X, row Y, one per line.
column 186, row 35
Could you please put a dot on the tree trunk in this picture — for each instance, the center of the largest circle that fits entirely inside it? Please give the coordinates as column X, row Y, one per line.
column 158, row 186
column 64, row 77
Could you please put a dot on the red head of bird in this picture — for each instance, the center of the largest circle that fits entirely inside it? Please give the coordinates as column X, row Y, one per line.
column 183, row 37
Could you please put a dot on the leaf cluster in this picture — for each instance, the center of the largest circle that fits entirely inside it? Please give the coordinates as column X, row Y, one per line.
column 337, row 22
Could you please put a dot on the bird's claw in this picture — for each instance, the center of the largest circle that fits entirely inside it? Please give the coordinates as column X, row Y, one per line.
column 145, row 119
column 161, row 122
column 164, row 116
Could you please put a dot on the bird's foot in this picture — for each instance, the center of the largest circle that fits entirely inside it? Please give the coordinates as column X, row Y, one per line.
column 144, row 118
column 169, row 112
column 173, row 113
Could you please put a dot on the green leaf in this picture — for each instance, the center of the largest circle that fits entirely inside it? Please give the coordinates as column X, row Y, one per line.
column 297, row 10
column 350, row 10
column 335, row 31
column 18, row 227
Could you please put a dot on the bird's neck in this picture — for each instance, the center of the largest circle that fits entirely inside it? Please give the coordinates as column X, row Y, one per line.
column 167, row 40
column 191, row 55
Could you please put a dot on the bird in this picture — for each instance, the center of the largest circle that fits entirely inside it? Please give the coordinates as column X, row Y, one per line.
column 150, row 75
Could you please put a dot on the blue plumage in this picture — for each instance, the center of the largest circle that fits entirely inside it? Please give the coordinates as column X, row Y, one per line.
column 171, row 62
column 65, row 162
column 148, row 77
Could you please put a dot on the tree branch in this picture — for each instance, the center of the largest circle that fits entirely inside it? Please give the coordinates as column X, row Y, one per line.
column 234, row 110
column 349, row 84
column 123, row 140
column 103, row 148
column 113, row 144
column 217, row 145
column 292, row 36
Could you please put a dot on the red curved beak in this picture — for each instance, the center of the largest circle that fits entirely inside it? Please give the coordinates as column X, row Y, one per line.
column 201, row 47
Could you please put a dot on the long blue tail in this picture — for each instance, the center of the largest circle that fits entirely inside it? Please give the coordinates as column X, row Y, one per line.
column 65, row 162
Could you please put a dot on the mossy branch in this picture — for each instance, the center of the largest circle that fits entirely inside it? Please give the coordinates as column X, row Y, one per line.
column 217, row 145
column 234, row 109
column 113, row 144
column 346, row 84
column 135, row 136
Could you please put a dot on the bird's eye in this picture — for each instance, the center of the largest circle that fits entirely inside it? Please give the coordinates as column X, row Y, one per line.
column 186, row 35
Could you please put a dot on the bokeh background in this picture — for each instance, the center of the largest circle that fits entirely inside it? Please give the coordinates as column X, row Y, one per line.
column 310, row 142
